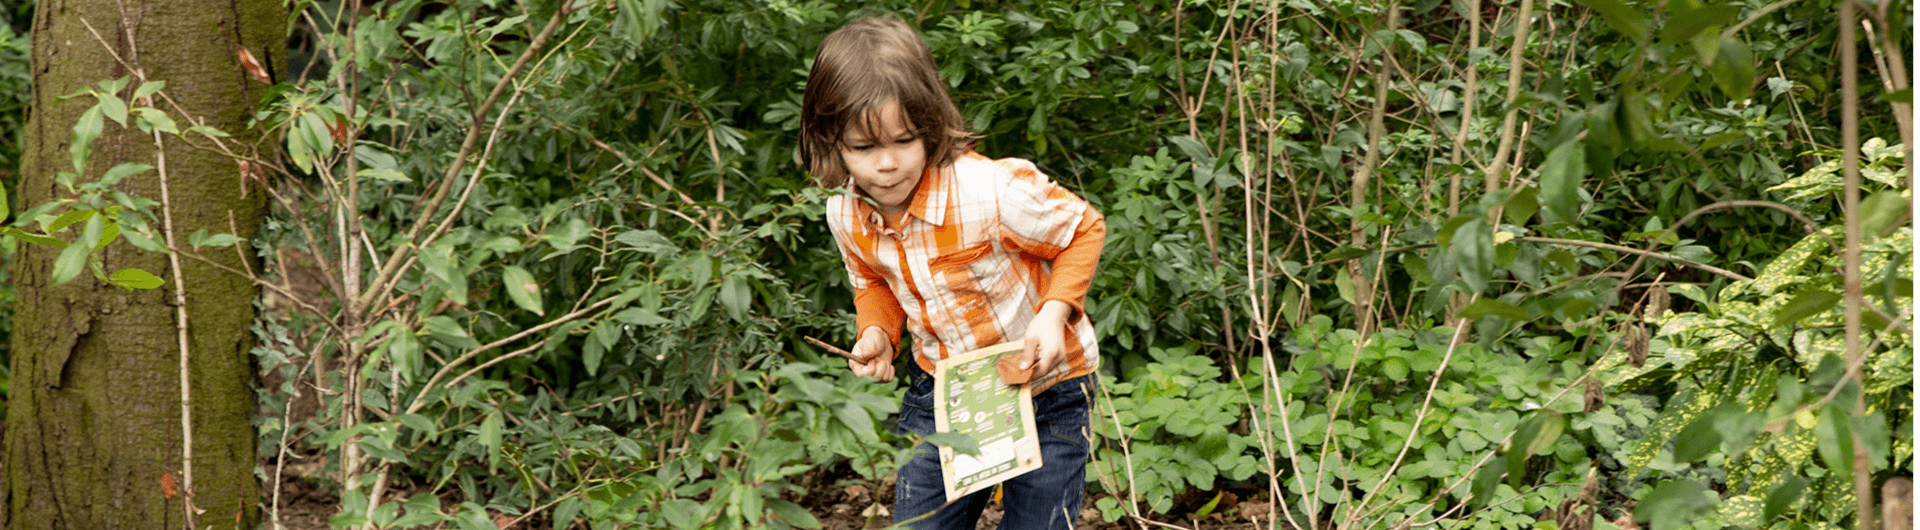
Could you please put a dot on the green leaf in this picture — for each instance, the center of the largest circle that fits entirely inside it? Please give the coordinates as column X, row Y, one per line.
column 148, row 88
column 1783, row 497
column 384, row 175
column 1522, row 206
column 1698, row 439
column 1675, row 504
column 122, row 171
column 1473, row 251
column 1490, row 306
column 112, row 107
column 1623, row 18
column 132, row 278
column 71, row 261
column 208, row 131
column 683, row 513
column 961, row 443
column 1485, row 482
column 68, row 219
column 567, row 511
column 858, row 420
column 1684, row 25
column 152, row 119
column 1805, row 304
column 792, row 513
column 1834, row 439
column 1560, row 178
column 84, row 131
column 490, row 431
column 1880, row 211
column 524, row 291
column 736, row 297
column 1733, row 69
column 33, row 238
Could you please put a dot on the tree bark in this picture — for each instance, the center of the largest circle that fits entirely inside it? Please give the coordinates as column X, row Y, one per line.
column 94, row 424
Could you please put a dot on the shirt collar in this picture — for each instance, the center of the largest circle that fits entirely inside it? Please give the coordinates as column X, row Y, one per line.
column 929, row 203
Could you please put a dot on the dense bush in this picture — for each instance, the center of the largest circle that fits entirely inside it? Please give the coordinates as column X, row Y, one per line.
column 1364, row 259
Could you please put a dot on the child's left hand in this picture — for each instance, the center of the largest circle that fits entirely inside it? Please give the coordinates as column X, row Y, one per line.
column 1046, row 343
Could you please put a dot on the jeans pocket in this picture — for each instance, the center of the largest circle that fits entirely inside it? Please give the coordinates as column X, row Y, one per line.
column 1062, row 410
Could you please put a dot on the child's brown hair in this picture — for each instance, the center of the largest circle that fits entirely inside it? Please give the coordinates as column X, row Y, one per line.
column 858, row 69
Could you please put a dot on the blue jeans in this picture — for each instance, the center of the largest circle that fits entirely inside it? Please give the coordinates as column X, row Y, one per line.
column 1048, row 497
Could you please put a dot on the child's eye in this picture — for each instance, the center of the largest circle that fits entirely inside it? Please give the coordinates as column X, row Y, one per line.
column 905, row 141
column 860, row 147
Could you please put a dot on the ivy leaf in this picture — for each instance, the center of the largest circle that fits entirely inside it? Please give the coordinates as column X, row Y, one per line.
column 1473, row 251
column 522, row 289
column 1805, row 304
column 1486, row 480
column 1560, row 178
column 1675, row 504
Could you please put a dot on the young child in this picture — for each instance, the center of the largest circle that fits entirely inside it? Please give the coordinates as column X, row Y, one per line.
column 963, row 251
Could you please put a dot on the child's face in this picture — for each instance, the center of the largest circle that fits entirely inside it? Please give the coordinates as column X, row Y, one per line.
column 885, row 164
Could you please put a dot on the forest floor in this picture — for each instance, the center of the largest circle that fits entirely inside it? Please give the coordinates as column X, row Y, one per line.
column 305, row 506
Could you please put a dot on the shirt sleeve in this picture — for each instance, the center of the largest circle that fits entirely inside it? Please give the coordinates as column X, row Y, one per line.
column 873, row 301
column 1045, row 220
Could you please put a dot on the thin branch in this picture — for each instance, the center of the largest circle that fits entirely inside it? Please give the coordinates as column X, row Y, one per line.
column 1637, row 252
column 391, row 272
column 421, row 399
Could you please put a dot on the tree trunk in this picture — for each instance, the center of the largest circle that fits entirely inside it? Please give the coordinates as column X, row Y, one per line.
column 94, row 436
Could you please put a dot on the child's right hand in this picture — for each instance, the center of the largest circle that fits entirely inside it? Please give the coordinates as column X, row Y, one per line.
column 878, row 352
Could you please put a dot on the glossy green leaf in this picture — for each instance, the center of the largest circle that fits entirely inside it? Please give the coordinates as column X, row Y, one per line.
column 132, row 278
column 1560, row 179
column 522, row 289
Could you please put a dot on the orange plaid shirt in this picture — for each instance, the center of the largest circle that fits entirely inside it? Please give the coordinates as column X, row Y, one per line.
column 984, row 243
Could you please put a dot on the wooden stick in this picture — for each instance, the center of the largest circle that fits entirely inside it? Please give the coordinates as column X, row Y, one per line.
column 829, row 347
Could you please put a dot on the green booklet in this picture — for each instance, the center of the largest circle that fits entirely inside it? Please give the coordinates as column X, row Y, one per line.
column 969, row 398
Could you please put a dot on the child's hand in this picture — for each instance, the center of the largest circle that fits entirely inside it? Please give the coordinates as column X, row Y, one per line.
column 878, row 352
column 1046, row 343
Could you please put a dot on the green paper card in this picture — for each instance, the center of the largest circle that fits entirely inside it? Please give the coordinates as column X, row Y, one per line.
column 969, row 398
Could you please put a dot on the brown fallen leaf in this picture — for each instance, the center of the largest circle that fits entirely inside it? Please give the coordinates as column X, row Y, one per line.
column 252, row 66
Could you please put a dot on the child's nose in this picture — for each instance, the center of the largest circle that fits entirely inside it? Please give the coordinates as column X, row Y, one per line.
column 886, row 160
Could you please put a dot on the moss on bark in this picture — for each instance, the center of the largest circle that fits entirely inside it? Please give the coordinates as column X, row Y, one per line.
column 94, row 431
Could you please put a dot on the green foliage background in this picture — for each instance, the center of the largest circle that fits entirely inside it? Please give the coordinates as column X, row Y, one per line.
column 608, row 329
